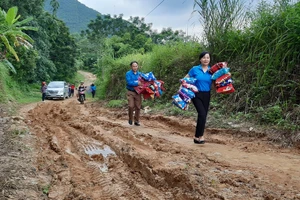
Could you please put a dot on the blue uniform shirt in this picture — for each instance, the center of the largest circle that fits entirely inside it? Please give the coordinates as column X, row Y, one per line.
column 132, row 79
column 93, row 88
column 203, row 82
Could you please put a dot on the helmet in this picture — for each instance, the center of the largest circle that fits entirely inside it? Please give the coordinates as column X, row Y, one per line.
column 81, row 82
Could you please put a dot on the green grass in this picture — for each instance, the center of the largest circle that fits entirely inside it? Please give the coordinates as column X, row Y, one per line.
column 30, row 98
column 21, row 93
column 116, row 103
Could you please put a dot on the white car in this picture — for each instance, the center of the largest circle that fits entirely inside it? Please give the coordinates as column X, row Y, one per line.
column 57, row 90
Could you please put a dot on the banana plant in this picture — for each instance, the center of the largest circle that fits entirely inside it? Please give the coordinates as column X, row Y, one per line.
column 12, row 35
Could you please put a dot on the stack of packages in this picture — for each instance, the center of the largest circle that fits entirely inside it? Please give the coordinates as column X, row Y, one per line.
column 185, row 93
column 222, row 77
column 150, row 87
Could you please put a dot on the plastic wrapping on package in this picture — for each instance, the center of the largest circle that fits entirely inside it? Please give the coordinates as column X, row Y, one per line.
column 184, row 97
column 190, row 86
column 177, row 101
column 219, row 73
column 224, row 83
column 188, row 80
column 188, row 92
column 217, row 66
column 148, row 76
column 223, row 78
column 150, row 89
column 226, row 89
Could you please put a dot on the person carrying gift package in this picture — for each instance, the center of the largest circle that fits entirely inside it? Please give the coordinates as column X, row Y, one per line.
column 134, row 99
column 202, row 97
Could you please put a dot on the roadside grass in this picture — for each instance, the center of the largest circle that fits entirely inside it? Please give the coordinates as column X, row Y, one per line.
column 116, row 103
column 76, row 80
column 11, row 91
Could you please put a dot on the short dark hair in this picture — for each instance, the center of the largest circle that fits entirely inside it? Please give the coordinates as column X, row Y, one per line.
column 203, row 54
column 133, row 62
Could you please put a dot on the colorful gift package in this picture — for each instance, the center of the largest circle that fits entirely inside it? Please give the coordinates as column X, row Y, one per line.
column 221, row 75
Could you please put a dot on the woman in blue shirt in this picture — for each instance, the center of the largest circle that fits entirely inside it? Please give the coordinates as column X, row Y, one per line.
column 202, row 98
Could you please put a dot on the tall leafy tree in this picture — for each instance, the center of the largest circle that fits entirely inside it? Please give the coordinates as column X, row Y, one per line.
column 43, row 61
column 63, row 52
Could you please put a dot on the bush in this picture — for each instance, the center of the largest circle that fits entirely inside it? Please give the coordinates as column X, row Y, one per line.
column 116, row 103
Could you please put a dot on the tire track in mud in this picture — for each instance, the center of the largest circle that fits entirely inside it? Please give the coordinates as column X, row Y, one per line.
column 92, row 153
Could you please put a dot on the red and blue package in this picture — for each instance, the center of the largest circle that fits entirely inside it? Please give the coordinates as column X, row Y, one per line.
column 219, row 73
column 188, row 80
column 177, row 101
column 226, row 89
column 217, row 66
column 188, row 92
column 184, row 97
column 148, row 76
column 224, row 83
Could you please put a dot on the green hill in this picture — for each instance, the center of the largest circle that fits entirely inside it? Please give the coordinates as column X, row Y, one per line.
column 75, row 14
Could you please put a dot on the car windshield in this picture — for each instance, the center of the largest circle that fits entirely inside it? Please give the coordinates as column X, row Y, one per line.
column 56, row 85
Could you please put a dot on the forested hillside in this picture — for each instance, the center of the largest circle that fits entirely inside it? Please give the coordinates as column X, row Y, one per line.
column 75, row 14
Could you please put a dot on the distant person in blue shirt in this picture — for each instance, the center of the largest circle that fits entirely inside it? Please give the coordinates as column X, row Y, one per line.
column 134, row 99
column 93, row 90
column 202, row 98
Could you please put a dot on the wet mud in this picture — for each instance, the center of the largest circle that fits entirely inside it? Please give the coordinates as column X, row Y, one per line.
column 91, row 152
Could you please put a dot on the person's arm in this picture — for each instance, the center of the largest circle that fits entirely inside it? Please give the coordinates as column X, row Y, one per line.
column 130, row 81
column 213, row 85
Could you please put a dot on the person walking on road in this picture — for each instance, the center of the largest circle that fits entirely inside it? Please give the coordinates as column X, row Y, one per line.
column 93, row 89
column 202, row 98
column 72, row 90
column 134, row 99
column 43, row 90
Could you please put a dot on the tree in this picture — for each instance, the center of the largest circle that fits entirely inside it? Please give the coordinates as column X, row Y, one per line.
column 11, row 34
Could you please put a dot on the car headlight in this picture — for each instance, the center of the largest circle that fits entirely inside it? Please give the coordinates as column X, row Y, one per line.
column 60, row 92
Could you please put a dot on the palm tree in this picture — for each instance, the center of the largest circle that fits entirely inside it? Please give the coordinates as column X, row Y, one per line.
column 11, row 34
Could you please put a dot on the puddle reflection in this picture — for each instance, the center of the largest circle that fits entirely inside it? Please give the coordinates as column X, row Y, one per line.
column 96, row 150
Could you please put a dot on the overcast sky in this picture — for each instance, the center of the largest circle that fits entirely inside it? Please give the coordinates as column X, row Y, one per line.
column 176, row 14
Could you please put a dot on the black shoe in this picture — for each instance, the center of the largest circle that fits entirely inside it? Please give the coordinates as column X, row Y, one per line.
column 199, row 141
column 137, row 123
column 130, row 122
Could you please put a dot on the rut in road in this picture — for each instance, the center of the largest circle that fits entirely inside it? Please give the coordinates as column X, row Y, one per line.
column 90, row 152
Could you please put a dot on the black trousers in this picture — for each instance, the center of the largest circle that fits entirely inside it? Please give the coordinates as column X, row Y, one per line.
column 201, row 103
column 43, row 96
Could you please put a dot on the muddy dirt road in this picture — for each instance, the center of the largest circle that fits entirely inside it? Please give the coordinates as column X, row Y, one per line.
column 91, row 152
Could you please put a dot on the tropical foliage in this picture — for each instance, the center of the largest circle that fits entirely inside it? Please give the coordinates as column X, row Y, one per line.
column 54, row 52
column 12, row 35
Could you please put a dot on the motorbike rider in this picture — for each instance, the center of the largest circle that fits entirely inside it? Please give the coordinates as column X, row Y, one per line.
column 81, row 87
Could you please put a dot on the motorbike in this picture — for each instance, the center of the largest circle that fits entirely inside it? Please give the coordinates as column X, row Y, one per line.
column 81, row 92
